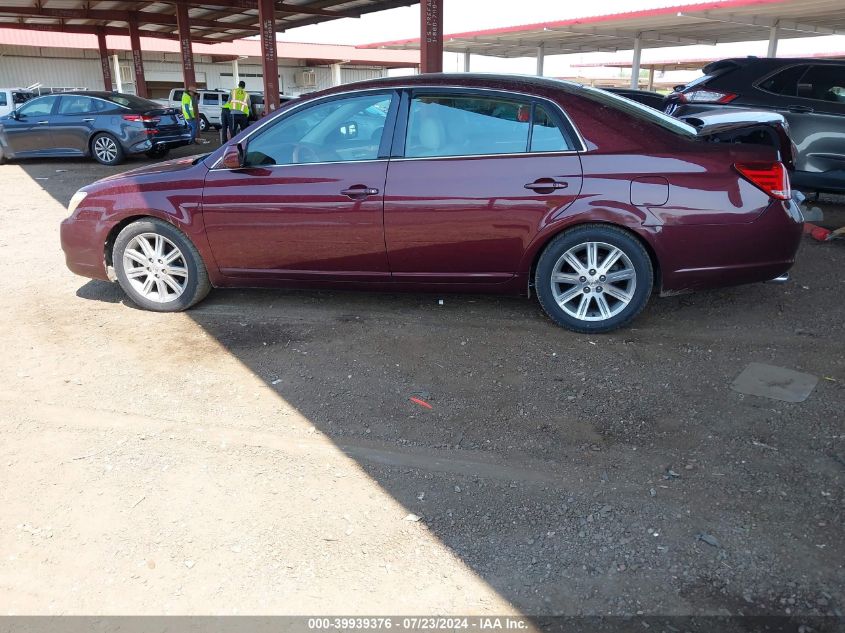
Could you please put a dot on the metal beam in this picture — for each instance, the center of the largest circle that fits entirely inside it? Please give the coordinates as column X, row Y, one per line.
column 783, row 25
column 104, row 60
column 118, row 79
column 651, row 36
column 269, row 59
column 541, row 58
column 91, row 29
column 773, row 41
column 137, row 60
column 431, row 36
column 466, row 61
column 635, row 63
column 185, row 47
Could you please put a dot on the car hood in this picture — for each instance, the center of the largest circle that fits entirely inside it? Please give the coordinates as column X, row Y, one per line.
column 177, row 164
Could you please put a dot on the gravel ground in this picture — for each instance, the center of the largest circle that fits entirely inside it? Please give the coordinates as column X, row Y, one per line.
column 259, row 454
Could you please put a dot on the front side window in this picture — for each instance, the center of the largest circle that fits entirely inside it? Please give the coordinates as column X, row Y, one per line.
column 3, row 100
column 348, row 129
column 38, row 107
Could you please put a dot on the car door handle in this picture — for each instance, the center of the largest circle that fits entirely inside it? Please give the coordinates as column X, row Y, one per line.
column 357, row 192
column 546, row 185
column 43, row 122
column 88, row 120
column 800, row 109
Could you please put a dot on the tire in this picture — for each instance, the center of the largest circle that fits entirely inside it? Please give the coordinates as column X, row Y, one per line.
column 589, row 298
column 158, row 153
column 132, row 271
column 203, row 123
column 106, row 149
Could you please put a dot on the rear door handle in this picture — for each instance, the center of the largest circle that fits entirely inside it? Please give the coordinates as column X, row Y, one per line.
column 546, row 185
column 800, row 109
column 88, row 120
column 358, row 192
column 43, row 122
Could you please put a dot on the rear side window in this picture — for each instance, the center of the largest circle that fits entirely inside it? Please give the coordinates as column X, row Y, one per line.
column 80, row 105
column 177, row 95
column 785, row 82
column 3, row 99
column 546, row 136
column 211, row 98
column 823, row 83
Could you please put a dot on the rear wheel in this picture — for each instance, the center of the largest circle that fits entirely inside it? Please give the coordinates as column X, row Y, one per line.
column 594, row 278
column 158, row 267
column 106, row 149
column 203, row 123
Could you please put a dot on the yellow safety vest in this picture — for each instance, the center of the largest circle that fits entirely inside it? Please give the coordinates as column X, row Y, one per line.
column 239, row 101
column 187, row 105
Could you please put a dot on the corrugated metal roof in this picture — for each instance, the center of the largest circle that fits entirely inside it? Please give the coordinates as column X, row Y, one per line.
column 703, row 23
column 215, row 20
column 323, row 53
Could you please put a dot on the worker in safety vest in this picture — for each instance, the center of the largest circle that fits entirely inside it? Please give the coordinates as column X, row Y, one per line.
column 189, row 110
column 239, row 108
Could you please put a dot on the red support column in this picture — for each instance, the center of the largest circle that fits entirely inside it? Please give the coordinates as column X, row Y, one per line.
column 137, row 60
column 431, row 36
column 270, row 64
column 183, row 21
column 105, row 62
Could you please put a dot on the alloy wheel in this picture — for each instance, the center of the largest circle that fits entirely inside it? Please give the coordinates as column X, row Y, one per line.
column 105, row 148
column 155, row 267
column 593, row 281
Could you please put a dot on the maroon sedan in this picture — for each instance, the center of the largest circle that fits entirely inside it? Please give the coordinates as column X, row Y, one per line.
column 474, row 183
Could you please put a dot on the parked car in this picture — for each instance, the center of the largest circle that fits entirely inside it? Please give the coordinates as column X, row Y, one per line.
column 646, row 97
column 107, row 126
column 210, row 102
column 11, row 98
column 478, row 183
column 809, row 93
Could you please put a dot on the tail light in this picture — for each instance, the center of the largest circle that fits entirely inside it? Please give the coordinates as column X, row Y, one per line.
column 706, row 96
column 141, row 118
column 770, row 177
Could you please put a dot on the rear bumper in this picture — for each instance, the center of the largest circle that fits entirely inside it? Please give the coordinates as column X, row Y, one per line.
column 695, row 257
column 826, row 181
column 154, row 141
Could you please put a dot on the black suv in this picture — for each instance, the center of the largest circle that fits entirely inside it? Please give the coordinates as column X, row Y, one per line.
column 809, row 93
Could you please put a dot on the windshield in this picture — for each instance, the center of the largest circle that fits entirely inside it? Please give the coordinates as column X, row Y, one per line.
column 640, row 111
column 131, row 101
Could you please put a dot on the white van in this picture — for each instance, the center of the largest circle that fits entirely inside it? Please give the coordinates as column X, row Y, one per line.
column 210, row 102
column 12, row 98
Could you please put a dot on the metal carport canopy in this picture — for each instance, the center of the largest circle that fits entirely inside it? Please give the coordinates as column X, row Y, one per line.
column 703, row 23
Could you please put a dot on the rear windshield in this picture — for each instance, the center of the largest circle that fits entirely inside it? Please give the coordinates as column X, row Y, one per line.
column 131, row 101
column 639, row 111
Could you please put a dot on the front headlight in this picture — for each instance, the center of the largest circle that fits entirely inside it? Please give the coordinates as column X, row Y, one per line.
column 77, row 198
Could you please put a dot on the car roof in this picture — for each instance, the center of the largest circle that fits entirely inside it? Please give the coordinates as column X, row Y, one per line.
column 462, row 80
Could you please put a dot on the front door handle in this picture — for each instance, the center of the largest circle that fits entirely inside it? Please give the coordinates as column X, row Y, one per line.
column 546, row 185
column 43, row 122
column 359, row 192
column 88, row 120
column 800, row 109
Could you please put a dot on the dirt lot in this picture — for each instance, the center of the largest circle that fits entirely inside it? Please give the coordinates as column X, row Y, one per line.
column 259, row 454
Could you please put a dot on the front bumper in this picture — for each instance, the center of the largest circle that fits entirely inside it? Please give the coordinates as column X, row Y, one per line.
column 83, row 242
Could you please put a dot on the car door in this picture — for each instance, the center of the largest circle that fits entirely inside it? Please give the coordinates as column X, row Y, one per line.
column 75, row 122
column 309, row 202
column 29, row 134
column 477, row 174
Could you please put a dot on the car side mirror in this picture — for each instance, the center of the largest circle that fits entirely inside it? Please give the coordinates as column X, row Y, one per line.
column 16, row 115
column 348, row 129
column 233, row 157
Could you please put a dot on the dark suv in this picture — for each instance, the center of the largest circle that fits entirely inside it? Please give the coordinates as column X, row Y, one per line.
column 809, row 93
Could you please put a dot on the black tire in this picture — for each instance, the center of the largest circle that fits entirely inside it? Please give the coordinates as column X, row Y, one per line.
column 204, row 125
column 634, row 273
column 160, row 152
column 196, row 284
column 106, row 149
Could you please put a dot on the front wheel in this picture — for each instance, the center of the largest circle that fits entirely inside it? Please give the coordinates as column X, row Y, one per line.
column 106, row 149
column 158, row 267
column 594, row 278
column 203, row 123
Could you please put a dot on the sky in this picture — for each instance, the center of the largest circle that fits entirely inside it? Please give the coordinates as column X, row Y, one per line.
column 471, row 15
